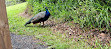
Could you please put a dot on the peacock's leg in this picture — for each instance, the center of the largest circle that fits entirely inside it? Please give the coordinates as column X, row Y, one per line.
column 43, row 23
column 33, row 25
column 40, row 23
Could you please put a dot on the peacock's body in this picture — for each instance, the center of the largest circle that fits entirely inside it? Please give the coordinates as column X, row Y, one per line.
column 40, row 17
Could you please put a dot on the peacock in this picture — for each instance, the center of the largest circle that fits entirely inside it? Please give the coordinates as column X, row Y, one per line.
column 40, row 17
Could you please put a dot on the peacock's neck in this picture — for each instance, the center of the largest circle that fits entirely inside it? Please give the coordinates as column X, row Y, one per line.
column 47, row 12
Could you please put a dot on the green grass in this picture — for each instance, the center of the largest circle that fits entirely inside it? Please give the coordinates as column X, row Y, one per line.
column 54, row 40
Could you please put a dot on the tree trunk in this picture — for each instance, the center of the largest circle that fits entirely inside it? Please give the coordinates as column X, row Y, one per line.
column 5, row 40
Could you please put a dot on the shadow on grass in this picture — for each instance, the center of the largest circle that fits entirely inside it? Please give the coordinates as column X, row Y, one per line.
column 41, row 26
column 46, row 25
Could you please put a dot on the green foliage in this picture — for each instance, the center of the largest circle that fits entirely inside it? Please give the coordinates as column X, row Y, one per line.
column 88, row 13
column 89, row 16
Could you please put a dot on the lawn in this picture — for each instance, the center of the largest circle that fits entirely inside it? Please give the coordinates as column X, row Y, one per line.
column 53, row 40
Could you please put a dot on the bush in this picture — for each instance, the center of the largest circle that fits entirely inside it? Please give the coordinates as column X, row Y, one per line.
column 88, row 13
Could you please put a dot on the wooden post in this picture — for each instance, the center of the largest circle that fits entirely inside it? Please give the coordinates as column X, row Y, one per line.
column 5, row 40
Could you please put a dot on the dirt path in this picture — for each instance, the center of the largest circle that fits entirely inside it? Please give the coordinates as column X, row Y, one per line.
column 75, row 32
column 25, row 42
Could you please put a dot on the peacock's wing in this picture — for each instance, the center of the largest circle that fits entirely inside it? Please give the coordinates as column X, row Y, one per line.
column 38, row 16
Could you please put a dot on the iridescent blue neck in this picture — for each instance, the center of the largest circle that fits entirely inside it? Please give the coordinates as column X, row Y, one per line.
column 47, row 11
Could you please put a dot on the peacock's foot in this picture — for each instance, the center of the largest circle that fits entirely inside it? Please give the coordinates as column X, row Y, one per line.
column 43, row 25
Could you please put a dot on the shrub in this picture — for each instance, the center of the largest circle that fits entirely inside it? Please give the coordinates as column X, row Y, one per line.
column 88, row 13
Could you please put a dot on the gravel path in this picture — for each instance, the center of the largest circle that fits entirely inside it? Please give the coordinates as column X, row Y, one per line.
column 25, row 42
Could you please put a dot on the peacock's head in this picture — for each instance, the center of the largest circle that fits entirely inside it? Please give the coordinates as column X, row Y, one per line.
column 46, row 8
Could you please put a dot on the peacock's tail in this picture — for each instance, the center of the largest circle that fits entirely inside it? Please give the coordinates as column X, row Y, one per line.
column 28, row 22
